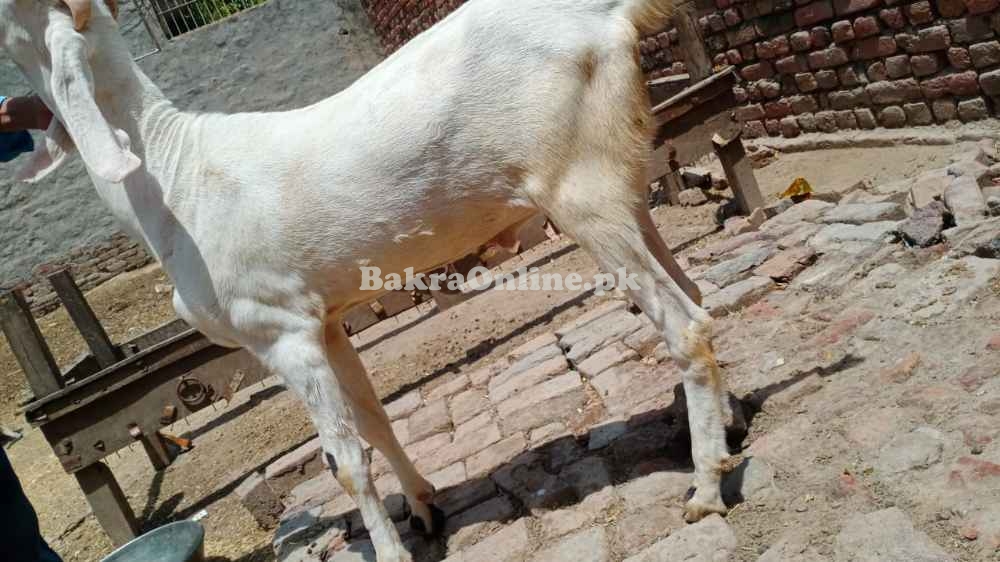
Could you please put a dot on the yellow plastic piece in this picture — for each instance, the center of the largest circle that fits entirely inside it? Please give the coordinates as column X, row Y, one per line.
column 798, row 188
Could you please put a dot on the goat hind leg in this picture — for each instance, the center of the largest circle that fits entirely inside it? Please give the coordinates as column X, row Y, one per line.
column 300, row 359
column 374, row 426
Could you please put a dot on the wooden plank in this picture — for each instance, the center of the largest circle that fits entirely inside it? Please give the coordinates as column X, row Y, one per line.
column 739, row 173
column 698, row 93
column 86, row 321
column 672, row 185
column 156, row 450
column 692, row 44
column 108, row 503
column 28, row 345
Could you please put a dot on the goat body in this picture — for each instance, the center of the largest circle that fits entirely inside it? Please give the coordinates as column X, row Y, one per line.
column 263, row 220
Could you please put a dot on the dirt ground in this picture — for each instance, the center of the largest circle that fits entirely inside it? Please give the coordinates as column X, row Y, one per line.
column 413, row 350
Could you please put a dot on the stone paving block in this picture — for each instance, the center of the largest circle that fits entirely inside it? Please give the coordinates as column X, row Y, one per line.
column 858, row 213
column 836, row 236
column 638, row 529
column 464, row 446
column 428, row 447
column 806, row 211
column 319, row 490
column 482, row 420
column 918, row 449
column 260, row 500
column 463, row 529
column 798, row 236
column 298, row 529
column 404, row 405
column 584, row 341
column 449, row 477
column 506, row 385
column 510, row 544
column 296, row 467
column 606, row 432
column 471, row 492
column 359, row 551
column 738, row 268
column 548, row 433
column 495, row 455
column 483, row 375
column 711, row 539
column 401, row 428
column 885, row 535
column 619, row 386
column 590, row 545
column 713, row 251
column 430, row 420
column 444, row 390
column 657, row 488
column 981, row 240
column 531, row 346
column 737, row 296
column 784, row 266
column 554, row 400
column 610, row 356
column 965, row 200
column 645, row 340
column 467, row 405
column 588, row 317
column 752, row 479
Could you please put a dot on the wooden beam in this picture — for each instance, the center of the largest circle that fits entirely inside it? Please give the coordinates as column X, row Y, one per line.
column 692, row 44
column 739, row 173
column 108, row 502
column 28, row 345
column 106, row 353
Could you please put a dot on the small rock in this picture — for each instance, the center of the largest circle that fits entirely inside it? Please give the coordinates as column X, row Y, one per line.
column 965, row 200
column 836, row 236
column 808, row 211
column 590, row 545
column 885, row 535
column 858, row 213
column 752, row 479
column 787, row 264
column 710, row 539
column 980, row 240
column 737, row 296
column 902, row 370
column 738, row 268
column 692, row 197
column 924, row 228
column 917, row 449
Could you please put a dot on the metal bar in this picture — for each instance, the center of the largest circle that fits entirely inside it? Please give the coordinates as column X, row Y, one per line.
column 108, row 502
column 86, row 321
column 28, row 345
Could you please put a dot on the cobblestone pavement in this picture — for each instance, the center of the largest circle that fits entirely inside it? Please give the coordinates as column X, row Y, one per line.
column 864, row 368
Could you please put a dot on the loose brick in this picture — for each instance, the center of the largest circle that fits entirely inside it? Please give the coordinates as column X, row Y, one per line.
column 806, row 81
column 892, row 117
column 485, row 461
column 848, row 99
column 826, row 121
column 893, row 18
column 741, row 94
column 865, row 118
column 828, row 58
column 958, row 57
column 990, row 82
column 950, row 8
column 734, row 57
column 731, row 17
column 842, row 31
column 742, row 35
column 773, row 127
column 844, row 7
column 807, row 122
column 876, row 72
column 898, row 66
column 981, row 6
column 945, row 109
column 918, row 114
column 774, row 48
column 757, row 71
column 716, row 22
column 791, row 64
column 550, row 401
column 865, row 26
column 970, row 29
column 752, row 112
column 813, row 13
column 846, row 119
column 873, row 48
column 429, row 420
column 800, row 41
column 720, row 60
column 820, row 37
column 851, row 76
column 754, row 129
column 748, row 53
column 896, row 91
column 827, row 79
column 777, row 109
column 769, row 88
column 925, row 65
column 958, row 84
column 919, row 12
column 787, row 264
column 790, row 128
column 803, row 104
column 972, row 110
column 926, row 40
column 985, row 54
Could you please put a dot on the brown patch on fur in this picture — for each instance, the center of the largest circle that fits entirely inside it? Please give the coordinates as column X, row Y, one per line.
column 588, row 66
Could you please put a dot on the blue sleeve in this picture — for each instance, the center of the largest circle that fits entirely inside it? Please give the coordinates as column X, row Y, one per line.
column 13, row 145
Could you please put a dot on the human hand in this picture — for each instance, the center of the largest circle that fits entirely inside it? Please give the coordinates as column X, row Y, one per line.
column 81, row 11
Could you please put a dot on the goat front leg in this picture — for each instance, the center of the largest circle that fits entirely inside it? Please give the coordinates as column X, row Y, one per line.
column 300, row 358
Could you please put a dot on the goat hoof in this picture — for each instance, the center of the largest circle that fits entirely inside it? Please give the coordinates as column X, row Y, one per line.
column 437, row 519
column 696, row 510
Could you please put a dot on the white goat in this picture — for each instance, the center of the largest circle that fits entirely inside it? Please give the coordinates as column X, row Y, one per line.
column 262, row 221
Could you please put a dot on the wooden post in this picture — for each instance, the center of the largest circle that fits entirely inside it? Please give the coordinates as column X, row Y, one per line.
column 672, row 185
column 28, row 345
column 108, row 502
column 156, row 450
column 86, row 321
column 739, row 173
column 692, row 44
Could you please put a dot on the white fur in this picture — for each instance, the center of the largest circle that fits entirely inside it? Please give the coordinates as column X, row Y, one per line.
column 505, row 108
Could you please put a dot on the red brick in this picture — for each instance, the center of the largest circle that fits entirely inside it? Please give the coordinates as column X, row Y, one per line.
column 806, row 81
column 842, row 31
column 876, row 71
column 898, row 66
column 919, row 12
column 748, row 53
column 777, row 109
column 745, row 34
column 924, row 65
column 813, row 13
column 800, row 41
column 828, row 58
column 754, row 129
column 893, row 17
column 865, row 27
column 929, row 39
column 958, row 84
column 791, row 64
column 844, row 326
column 731, row 17
column 753, row 112
column 959, row 58
column 769, row 88
column 844, row 7
column 950, row 8
column 827, row 79
column 777, row 47
column 773, row 127
column 873, row 48
column 981, row 6
column 985, row 54
column 820, row 37
column 734, row 57
column 803, row 104
column 757, row 71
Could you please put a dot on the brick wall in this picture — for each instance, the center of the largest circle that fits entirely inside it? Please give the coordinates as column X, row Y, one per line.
column 824, row 65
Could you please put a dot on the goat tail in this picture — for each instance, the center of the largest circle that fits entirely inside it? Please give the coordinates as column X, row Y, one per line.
column 649, row 16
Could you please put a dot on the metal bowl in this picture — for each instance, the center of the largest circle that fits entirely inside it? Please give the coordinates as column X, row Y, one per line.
column 182, row 541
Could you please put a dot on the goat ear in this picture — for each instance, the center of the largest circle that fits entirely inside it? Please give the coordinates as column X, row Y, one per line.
column 105, row 150
column 48, row 157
